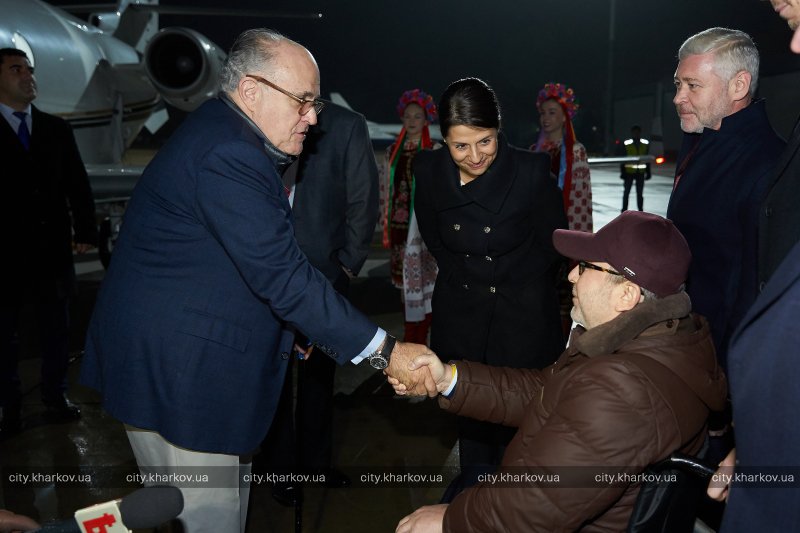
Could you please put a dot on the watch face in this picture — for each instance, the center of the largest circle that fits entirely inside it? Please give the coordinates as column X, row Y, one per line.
column 379, row 362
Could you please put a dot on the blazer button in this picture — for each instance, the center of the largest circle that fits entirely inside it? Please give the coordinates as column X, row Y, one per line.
column 768, row 211
column 456, row 227
column 284, row 355
column 492, row 290
column 487, row 229
column 761, row 286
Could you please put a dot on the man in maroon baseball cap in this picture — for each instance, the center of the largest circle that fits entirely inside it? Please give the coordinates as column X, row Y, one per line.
column 635, row 384
column 646, row 249
column 634, row 257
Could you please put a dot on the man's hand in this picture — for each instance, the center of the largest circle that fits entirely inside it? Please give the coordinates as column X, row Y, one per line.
column 10, row 522
column 418, row 381
column 428, row 519
column 720, row 484
column 441, row 374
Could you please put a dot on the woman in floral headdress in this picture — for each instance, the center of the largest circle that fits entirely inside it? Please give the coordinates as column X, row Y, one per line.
column 557, row 107
column 413, row 269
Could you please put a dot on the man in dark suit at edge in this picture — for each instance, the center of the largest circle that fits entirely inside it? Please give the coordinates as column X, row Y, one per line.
column 763, row 369
column 334, row 197
column 194, row 323
column 46, row 198
column 779, row 217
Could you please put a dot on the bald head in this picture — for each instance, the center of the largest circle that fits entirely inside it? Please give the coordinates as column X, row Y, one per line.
column 262, row 50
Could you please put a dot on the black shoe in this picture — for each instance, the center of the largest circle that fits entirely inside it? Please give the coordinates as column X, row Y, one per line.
column 61, row 410
column 334, row 478
column 287, row 494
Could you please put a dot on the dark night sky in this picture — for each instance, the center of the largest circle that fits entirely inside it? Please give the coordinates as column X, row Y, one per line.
column 372, row 50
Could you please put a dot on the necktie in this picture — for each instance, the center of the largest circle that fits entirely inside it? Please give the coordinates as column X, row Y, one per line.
column 22, row 132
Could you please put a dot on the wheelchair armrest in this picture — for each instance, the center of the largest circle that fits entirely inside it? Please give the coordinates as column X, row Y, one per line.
column 692, row 465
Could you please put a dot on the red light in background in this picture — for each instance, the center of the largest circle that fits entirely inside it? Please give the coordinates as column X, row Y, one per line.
column 660, row 160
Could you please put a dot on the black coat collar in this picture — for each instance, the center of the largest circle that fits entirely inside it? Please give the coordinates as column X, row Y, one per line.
column 489, row 190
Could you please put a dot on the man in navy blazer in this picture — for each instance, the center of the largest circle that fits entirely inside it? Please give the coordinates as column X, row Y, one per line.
column 193, row 326
column 764, row 376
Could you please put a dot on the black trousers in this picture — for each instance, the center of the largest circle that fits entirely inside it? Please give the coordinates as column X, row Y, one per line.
column 629, row 179
column 301, row 435
column 29, row 318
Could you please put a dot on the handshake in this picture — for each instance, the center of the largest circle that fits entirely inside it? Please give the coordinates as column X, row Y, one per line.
column 414, row 370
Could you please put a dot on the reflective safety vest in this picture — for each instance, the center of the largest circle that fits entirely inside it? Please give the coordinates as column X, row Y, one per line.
column 632, row 149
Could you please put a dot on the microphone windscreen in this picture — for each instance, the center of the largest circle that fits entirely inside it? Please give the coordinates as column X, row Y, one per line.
column 150, row 507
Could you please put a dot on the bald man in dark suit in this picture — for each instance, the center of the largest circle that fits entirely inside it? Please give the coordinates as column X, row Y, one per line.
column 334, row 210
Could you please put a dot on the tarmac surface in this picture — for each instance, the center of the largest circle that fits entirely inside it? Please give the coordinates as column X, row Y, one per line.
column 378, row 437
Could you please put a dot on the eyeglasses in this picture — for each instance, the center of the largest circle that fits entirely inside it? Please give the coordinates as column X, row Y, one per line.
column 305, row 104
column 583, row 265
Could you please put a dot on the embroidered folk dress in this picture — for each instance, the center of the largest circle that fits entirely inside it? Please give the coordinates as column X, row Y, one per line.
column 579, row 204
column 412, row 267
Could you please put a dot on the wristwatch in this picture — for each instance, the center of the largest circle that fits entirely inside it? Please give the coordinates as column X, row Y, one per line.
column 380, row 358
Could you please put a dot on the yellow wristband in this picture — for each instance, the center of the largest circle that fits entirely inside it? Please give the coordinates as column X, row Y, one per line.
column 453, row 376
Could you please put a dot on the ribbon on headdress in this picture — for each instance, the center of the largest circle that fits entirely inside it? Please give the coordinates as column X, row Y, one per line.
column 565, row 97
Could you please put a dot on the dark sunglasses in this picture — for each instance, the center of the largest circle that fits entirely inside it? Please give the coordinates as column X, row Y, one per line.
column 583, row 265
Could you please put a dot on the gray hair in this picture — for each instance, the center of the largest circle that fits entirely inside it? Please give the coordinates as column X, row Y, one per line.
column 252, row 51
column 734, row 51
column 647, row 295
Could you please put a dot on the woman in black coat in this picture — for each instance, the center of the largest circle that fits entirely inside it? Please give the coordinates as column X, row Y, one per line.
column 487, row 212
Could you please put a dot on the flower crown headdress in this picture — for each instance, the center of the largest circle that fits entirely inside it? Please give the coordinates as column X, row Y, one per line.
column 560, row 93
column 415, row 96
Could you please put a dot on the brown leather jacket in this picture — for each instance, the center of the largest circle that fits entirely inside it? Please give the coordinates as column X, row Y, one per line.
column 622, row 396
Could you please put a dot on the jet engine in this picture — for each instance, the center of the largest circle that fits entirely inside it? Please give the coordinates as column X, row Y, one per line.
column 184, row 66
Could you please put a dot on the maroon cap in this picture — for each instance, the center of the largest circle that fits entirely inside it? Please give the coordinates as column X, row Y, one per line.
column 645, row 248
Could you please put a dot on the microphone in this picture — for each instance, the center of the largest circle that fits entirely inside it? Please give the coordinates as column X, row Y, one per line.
column 147, row 507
